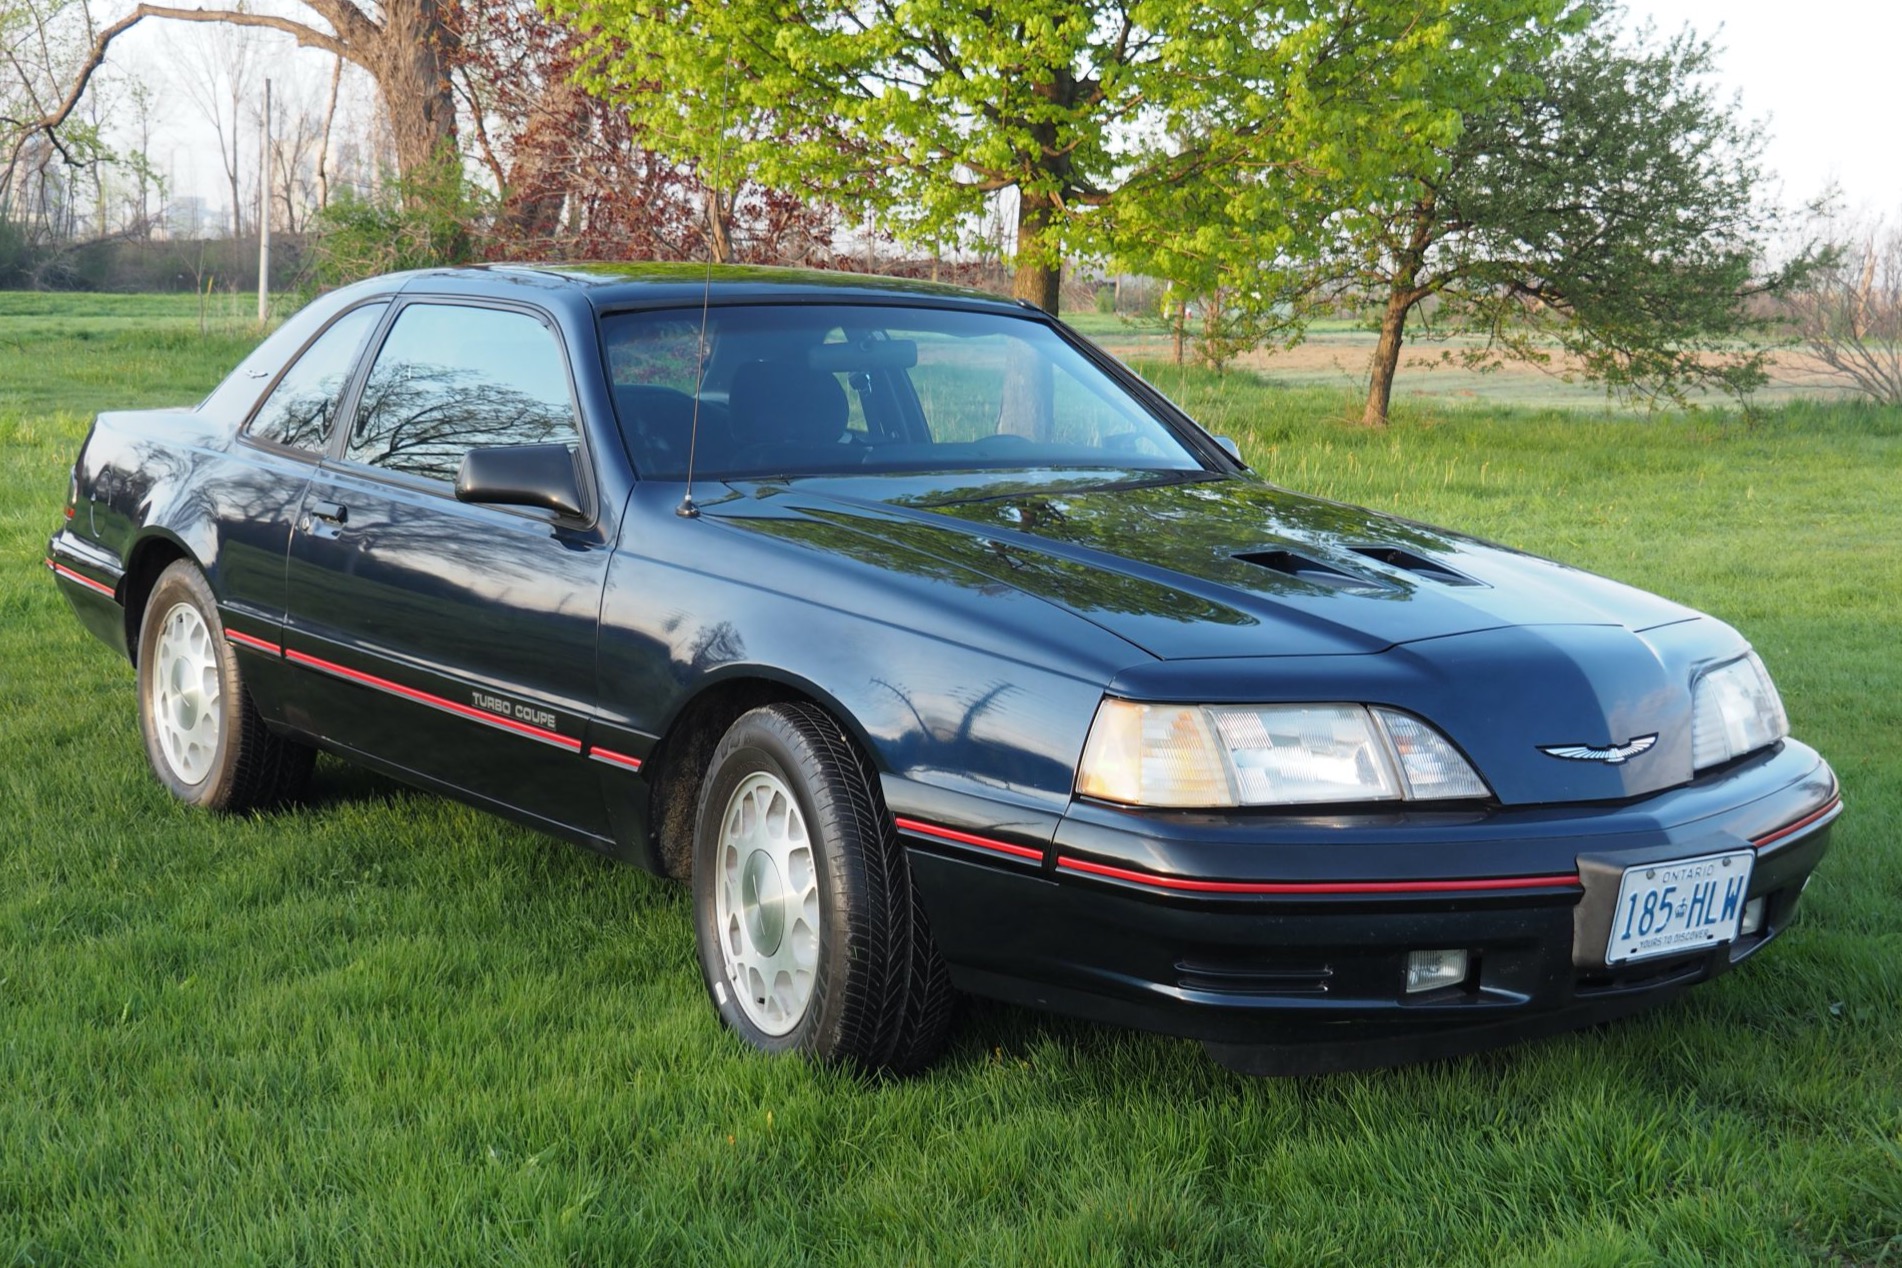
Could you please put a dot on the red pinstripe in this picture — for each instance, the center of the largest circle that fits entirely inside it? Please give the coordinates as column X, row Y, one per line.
column 966, row 838
column 1791, row 829
column 614, row 759
column 435, row 702
column 63, row 571
column 256, row 644
column 1186, row 884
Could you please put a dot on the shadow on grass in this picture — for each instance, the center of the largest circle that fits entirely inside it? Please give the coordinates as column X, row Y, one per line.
column 1096, row 1057
column 1077, row 1061
column 338, row 782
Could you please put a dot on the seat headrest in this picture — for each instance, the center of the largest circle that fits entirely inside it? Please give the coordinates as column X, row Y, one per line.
column 783, row 402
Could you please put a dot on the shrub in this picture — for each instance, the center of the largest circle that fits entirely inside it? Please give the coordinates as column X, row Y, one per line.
column 413, row 222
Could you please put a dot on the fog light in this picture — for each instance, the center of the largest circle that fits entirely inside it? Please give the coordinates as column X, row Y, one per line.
column 1430, row 970
column 1752, row 917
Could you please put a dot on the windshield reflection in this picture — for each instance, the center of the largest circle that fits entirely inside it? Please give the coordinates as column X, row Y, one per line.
column 777, row 390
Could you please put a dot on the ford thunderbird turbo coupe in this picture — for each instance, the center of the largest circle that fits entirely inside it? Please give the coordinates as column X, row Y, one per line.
column 938, row 653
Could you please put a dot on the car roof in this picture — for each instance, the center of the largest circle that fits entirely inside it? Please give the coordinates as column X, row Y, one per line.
column 608, row 286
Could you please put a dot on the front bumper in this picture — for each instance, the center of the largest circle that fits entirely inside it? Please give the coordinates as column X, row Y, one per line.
column 1281, row 941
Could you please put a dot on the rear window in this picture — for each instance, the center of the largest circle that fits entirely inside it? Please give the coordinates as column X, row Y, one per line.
column 796, row 389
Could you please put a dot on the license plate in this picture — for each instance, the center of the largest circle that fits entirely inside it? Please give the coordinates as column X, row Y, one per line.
column 1682, row 905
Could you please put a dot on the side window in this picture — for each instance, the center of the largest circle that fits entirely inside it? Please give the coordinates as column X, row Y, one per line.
column 298, row 411
column 451, row 377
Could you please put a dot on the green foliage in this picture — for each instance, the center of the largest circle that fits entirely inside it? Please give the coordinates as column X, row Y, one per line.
column 1378, row 93
column 16, row 253
column 1128, row 133
column 1598, row 199
column 1221, row 322
column 387, row 1029
column 414, row 222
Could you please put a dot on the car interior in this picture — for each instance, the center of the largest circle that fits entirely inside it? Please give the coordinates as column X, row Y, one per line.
column 804, row 389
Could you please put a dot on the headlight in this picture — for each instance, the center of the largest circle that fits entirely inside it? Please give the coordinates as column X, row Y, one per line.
column 1190, row 755
column 1735, row 710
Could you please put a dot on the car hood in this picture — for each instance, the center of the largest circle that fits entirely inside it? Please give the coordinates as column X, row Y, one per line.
column 1189, row 566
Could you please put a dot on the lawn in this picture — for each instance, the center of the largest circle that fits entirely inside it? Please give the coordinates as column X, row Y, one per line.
column 385, row 1029
column 1334, row 353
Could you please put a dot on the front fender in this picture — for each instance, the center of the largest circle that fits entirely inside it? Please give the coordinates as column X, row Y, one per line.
column 948, row 679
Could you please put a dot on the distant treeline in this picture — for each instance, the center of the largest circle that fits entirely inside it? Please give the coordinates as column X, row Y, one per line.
column 150, row 264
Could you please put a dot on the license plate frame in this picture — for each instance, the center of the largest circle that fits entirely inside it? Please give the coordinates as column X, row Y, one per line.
column 1679, row 905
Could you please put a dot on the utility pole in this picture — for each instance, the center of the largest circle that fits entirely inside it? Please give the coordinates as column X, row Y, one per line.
column 264, row 211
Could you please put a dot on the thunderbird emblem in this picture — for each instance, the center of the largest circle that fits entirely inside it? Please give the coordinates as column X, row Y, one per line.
column 1611, row 754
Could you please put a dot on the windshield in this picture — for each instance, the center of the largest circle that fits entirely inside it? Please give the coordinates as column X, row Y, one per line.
column 806, row 388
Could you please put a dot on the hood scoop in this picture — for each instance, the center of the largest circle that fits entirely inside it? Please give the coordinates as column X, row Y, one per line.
column 1418, row 565
column 1312, row 571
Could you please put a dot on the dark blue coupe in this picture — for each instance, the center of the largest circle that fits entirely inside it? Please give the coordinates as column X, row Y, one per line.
column 939, row 653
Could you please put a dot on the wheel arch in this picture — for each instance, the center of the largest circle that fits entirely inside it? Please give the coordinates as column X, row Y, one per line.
column 678, row 763
column 150, row 556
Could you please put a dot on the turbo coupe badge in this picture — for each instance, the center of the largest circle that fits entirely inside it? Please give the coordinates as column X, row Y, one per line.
column 1611, row 754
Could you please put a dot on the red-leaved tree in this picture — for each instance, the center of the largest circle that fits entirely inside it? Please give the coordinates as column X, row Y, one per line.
column 576, row 181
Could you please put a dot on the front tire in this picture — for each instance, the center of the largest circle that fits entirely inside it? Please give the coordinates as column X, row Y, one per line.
column 810, row 934
column 203, row 736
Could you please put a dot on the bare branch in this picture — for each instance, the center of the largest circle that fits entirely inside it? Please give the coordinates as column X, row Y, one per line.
column 1850, row 314
column 306, row 35
column 49, row 123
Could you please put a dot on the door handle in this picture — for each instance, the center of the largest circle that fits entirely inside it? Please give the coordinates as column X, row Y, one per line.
column 325, row 520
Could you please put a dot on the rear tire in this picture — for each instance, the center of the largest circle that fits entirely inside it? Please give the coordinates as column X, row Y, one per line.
column 810, row 933
column 203, row 736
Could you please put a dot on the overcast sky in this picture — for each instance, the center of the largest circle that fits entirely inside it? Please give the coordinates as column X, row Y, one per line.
column 1822, row 72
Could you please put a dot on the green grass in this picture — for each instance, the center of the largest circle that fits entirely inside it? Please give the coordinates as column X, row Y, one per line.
column 389, row 1030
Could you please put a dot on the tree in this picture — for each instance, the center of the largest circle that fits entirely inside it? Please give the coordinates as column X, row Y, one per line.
column 922, row 111
column 220, row 76
column 576, row 176
column 410, row 223
column 145, row 200
column 1849, row 314
column 297, row 148
column 1601, row 199
column 40, row 43
column 404, row 45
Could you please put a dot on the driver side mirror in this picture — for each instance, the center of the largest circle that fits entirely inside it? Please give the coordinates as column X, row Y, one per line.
column 1229, row 447
column 522, row 475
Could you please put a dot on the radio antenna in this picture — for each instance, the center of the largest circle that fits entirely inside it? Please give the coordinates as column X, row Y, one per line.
column 688, row 509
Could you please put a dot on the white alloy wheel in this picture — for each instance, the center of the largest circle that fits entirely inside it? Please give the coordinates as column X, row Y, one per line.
column 187, row 694
column 810, row 936
column 766, row 900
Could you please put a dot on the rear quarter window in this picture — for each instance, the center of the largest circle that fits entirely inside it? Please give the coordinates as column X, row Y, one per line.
column 298, row 412
column 232, row 400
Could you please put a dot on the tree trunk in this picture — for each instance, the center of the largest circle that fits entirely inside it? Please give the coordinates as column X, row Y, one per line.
column 330, row 120
column 719, row 227
column 1039, row 275
column 1403, row 292
column 231, row 171
column 1393, row 327
column 412, row 69
column 539, row 175
column 1028, row 404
